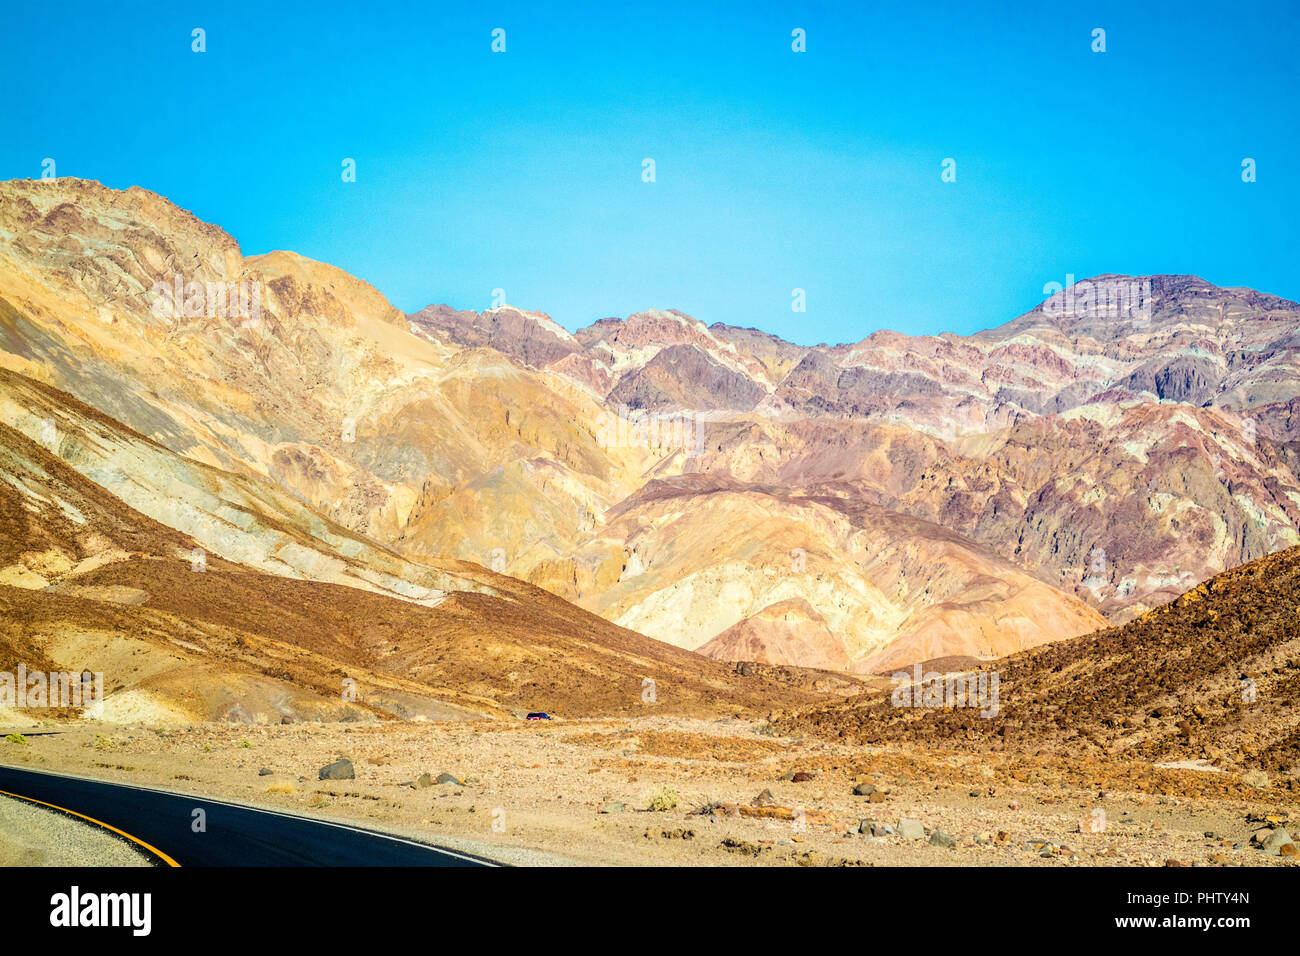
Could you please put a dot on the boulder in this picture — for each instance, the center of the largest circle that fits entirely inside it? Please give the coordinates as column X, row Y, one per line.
column 941, row 838
column 911, row 830
column 1276, row 840
column 340, row 769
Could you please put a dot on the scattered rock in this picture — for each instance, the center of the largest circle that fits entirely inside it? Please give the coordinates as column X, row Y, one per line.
column 678, row 834
column 813, row 858
column 911, row 830
column 882, row 830
column 743, row 847
column 423, row 780
column 864, row 789
column 801, row 777
column 940, row 838
column 765, row 799
column 808, row 816
column 340, row 769
column 265, row 772
column 445, row 778
column 1272, row 818
column 1276, row 840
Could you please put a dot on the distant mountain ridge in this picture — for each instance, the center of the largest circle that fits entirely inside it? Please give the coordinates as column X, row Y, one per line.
column 1192, row 342
column 1107, row 371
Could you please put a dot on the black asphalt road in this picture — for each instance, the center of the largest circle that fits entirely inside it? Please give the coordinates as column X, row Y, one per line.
column 233, row 835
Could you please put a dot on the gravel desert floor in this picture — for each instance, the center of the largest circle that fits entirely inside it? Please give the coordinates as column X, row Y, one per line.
column 673, row 791
column 35, row 836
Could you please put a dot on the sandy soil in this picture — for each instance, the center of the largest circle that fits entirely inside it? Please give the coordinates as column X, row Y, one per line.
column 550, row 792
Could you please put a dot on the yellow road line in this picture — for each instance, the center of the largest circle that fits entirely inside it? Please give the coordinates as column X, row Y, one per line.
column 99, row 823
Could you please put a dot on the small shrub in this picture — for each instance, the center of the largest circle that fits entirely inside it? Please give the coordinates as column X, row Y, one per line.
column 664, row 799
column 16, row 738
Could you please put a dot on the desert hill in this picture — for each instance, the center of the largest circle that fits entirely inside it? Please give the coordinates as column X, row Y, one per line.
column 283, row 605
column 1212, row 676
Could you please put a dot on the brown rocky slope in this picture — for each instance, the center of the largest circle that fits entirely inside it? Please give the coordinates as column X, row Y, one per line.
column 1212, row 676
column 87, row 582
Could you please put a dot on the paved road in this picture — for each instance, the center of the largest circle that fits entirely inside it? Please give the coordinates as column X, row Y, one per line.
column 162, row 825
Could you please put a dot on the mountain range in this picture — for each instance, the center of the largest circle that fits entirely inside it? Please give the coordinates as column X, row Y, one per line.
column 546, row 507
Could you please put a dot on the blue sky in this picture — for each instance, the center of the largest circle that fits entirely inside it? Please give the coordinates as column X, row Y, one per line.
column 775, row 170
